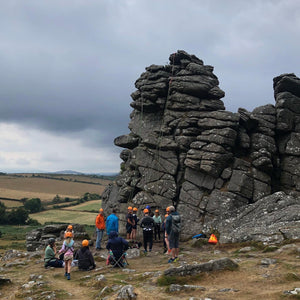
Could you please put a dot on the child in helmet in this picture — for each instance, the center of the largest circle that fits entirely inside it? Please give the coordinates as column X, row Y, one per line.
column 69, row 229
column 130, row 222
column 68, row 250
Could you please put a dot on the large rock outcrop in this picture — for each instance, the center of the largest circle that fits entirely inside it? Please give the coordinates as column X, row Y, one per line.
column 185, row 149
column 38, row 238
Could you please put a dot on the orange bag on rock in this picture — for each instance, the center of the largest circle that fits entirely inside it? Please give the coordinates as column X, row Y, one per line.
column 213, row 239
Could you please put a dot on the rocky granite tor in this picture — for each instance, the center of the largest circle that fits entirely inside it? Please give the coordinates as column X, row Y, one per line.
column 220, row 169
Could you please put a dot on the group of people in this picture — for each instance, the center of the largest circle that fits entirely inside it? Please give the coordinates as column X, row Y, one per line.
column 171, row 228
column 151, row 225
column 67, row 254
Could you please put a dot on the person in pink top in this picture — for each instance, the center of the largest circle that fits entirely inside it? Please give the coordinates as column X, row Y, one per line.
column 68, row 250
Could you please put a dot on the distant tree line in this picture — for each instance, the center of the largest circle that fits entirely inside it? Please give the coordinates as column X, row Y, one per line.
column 104, row 177
column 16, row 216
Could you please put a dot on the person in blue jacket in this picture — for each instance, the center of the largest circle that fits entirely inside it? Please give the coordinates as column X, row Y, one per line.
column 112, row 223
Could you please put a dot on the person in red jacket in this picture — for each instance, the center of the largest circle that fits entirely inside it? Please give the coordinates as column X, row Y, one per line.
column 100, row 226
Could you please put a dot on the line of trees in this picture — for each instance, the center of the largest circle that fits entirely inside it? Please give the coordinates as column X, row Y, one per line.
column 16, row 216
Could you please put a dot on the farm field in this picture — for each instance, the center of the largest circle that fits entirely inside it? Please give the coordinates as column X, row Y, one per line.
column 67, row 177
column 9, row 203
column 93, row 205
column 46, row 189
column 64, row 216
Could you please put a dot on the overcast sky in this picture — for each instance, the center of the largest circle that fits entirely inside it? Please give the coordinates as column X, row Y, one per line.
column 67, row 68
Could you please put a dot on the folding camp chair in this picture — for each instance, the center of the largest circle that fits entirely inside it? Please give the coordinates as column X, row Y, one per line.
column 121, row 262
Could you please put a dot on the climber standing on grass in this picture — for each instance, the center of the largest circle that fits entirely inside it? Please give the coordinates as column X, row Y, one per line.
column 147, row 224
column 130, row 222
column 173, row 227
column 157, row 224
column 100, row 226
column 68, row 250
column 112, row 222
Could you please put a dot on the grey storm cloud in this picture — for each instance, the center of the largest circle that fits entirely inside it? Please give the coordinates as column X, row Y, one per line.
column 69, row 67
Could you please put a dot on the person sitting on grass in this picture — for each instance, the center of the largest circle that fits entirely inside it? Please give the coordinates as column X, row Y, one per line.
column 68, row 250
column 85, row 257
column 50, row 252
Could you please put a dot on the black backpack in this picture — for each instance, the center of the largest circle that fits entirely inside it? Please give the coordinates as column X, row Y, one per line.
column 176, row 224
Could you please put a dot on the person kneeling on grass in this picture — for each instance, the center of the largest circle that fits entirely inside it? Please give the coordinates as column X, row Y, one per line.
column 85, row 257
column 68, row 250
column 50, row 252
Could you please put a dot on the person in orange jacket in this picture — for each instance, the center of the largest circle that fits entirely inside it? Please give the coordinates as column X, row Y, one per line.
column 100, row 226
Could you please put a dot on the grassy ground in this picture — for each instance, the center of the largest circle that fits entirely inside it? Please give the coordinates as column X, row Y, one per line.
column 11, row 204
column 251, row 280
column 65, row 216
column 13, row 237
column 93, row 206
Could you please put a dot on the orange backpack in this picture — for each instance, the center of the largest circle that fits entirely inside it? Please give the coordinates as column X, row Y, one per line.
column 213, row 239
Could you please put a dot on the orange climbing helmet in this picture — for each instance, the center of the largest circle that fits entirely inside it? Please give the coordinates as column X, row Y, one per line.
column 135, row 209
column 70, row 227
column 68, row 234
column 85, row 243
column 146, row 211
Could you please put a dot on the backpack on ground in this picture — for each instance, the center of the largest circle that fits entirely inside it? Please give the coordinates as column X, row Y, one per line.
column 176, row 224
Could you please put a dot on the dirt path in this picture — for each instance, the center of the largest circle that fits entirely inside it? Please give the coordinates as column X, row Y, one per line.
column 252, row 280
column 72, row 286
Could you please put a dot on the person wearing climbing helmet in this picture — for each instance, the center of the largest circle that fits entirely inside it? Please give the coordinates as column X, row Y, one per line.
column 85, row 257
column 134, row 227
column 68, row 250
column 69, row 229
column 147, row 224
column 157, row 224
column 149, row 209
column 100, row 227
column 173, row 228
column 130, row 222
column 167, row 249
column 50, row 255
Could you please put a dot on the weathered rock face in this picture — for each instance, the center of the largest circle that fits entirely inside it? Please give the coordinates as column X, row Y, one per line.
column 185, row 149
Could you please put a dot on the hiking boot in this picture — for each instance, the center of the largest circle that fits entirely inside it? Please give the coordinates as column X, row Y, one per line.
column 171, row 260
column 145, row 251
column 68, row 276
column 176, row 259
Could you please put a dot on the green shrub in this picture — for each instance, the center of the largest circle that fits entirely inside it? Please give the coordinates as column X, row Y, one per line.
column 33, row 205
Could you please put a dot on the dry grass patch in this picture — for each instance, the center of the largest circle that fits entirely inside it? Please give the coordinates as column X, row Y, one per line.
column 45, row 189
column 93, row 205
column 64, row 216
column 11, row 204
